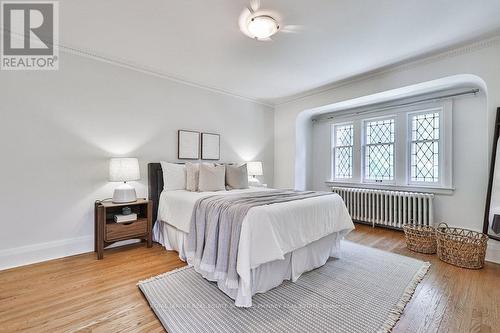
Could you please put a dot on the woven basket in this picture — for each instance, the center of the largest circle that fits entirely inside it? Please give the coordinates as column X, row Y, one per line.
column 461, row 247
column 420, row 238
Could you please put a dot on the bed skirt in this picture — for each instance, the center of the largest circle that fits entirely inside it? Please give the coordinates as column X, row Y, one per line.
column 266, row 276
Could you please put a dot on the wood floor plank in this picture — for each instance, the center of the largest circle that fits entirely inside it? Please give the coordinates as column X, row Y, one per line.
column 81, row 294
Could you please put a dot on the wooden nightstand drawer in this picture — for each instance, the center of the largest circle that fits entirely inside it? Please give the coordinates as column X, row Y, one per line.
column 115, row 231
column 108, row 232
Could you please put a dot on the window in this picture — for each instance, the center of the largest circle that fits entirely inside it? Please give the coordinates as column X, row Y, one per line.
column 424, row 147
column 405, row 148
column 379, row 150
column 343, row 144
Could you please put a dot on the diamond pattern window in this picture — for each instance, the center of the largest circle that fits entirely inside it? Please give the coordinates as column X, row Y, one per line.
column 424, row 151
column 379, row 150
column 344, row 140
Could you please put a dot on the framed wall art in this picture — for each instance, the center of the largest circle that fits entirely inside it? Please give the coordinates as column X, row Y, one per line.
column 210, row 146
column 188, row 145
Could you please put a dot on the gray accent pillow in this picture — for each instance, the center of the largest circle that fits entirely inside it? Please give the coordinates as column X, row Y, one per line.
column 192, row 176
column 236, row 176
column 212, row 177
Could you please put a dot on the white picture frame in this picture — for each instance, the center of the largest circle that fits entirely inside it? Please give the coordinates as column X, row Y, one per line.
column 188, row 147
column 210, row 146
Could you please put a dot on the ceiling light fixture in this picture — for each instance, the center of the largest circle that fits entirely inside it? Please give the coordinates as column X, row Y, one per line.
column 262, row 26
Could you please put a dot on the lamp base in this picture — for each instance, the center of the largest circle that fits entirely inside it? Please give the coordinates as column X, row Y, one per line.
column 253, row 181
column 124, row 193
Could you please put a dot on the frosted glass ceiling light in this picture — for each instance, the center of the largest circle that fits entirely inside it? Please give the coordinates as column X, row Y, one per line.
column 262, row 27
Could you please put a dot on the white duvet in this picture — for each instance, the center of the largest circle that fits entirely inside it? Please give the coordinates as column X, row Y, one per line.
column 268, row 232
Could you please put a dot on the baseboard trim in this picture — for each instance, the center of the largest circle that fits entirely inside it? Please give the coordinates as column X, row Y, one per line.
column 32, row 254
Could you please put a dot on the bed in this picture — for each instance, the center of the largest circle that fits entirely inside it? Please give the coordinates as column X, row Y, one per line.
column 278, row 242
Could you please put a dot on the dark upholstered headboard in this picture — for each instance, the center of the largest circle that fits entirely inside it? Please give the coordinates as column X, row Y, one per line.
column 155, row 182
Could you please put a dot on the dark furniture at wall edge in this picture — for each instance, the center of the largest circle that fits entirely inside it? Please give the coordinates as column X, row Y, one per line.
column 155, row 186
column 496, row 136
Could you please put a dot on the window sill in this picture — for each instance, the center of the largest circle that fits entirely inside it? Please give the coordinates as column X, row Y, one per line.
column 393, row 187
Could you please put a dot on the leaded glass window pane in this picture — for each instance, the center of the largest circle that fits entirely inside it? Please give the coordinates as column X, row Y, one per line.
column 380, row 131
column 379, row 150
column 343, row 162
column 344, row 138
column 344, row 135
column 425, row 147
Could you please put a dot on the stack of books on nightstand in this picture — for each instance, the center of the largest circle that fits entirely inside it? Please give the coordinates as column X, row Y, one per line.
column 125, row 218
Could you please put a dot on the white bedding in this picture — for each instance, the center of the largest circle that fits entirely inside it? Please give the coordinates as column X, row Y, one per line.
column 176, row 207
column 268, row 232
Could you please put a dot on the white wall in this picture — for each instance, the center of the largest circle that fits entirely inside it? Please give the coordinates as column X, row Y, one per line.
column 473, row 125
column 58, row 130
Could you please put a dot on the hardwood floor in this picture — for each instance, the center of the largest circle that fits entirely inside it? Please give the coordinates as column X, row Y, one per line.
column 80, row 293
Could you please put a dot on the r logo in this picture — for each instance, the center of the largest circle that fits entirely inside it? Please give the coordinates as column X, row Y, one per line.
column 29, row 29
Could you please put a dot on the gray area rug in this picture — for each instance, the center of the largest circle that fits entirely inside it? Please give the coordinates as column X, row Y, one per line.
column 364, row 291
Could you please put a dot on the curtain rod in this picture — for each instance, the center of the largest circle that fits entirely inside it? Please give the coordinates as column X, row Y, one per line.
column 420, row 101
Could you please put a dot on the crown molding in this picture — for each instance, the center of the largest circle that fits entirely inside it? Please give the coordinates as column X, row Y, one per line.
column 403, row 65
column 93, row 55
column 157, row 73
column 490, row 40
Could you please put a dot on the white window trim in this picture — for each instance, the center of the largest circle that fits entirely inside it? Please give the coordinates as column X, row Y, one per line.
column 441, row 169
column 334, row 146
column 402, row 175
column 363, row 150
column 445, row 147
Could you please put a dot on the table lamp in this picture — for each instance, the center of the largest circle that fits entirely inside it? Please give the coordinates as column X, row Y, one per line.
column 124, row 170
column 254, row 169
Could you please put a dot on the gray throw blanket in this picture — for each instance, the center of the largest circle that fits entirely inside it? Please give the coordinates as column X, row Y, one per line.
column 212, row 243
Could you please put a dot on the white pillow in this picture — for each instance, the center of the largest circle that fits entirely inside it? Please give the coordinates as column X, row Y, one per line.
column 174, row 176
column 192, row 176
column 236, row 176
column 212, row 177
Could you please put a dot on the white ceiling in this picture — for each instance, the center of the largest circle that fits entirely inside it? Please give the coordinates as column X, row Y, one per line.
column 200, row 42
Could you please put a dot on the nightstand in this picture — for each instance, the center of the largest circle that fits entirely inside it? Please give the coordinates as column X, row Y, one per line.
column 107, row 231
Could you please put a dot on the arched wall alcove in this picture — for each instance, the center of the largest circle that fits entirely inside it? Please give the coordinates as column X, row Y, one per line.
column 303, row 123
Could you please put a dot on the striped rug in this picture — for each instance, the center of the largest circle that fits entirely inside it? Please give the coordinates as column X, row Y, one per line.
column 364, row 291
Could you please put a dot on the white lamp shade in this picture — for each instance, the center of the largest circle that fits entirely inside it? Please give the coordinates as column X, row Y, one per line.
column 254, row 168
column 124, row 169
